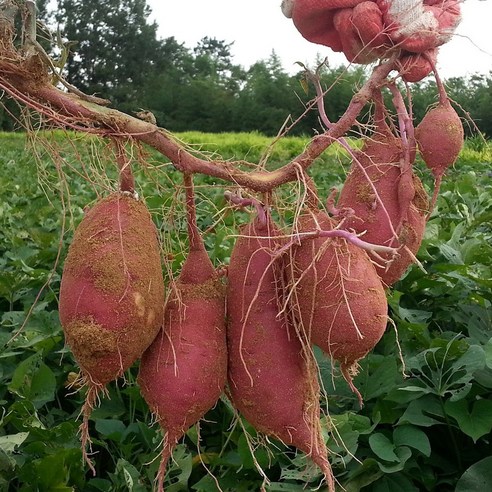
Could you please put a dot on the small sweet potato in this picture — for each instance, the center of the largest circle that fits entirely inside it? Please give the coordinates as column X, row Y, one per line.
column 440, row 138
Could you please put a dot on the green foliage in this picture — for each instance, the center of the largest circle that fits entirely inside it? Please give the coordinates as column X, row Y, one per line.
column 427, row 420
column 116, row 52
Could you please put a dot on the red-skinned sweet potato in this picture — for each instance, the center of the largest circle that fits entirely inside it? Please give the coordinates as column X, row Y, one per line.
column 112, row 292
column 440, row 138
column 272, row 377
column 402, row 206
column 339, row 301
column 184, row 371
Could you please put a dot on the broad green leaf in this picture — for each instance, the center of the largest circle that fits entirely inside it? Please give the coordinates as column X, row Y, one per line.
column 130, row 475
column 475, row 423
column 366, row 473
column 179, row 469
column 478, row 478
column 381, row 381
column 244, row 450
column 424, row 412
column 409, row 435
column 416, row 316
column 403, row 455
column 382, row 447
column 34, row 380
column 451, row 254
column 111, row 428
column 360, row 481
column 473, row 360
column 10, row 442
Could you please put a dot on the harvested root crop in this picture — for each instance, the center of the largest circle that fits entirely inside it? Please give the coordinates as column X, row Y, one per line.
column 111, row 293
column 388, row 200
column 337, row 297
column 184, row 371
column 272, row 375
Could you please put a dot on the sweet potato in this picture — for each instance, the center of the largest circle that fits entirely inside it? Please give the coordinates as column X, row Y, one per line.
column 339, row 300
column 272, row 376
column 402, row 205
column 111, row 292
column 440, row 138
column 184, row 371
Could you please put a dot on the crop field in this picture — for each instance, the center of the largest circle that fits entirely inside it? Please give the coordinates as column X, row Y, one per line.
column 426, row 423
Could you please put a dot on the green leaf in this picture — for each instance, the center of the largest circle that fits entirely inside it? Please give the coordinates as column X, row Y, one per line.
column 34, row 380
column 478, row 478
column 130, row 475
column 382, row 447
column 403, row 455
column 416, row 316
column 424, row 412
column 9, row 443
column 409, row 435
column 244, row 451
column 488, row 353
column 111, row 428
column 476, row 423
column 100, row 484
column 394, row 483
column 472, row 360
column 366, row 473
column 381, row 381
column 179, row 469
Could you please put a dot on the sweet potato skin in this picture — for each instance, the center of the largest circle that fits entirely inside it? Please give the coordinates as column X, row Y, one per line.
column 184, row 371
column 340, row 301
column 440, row 138
column 404, row 199
column 112, row 288
column 271, row 380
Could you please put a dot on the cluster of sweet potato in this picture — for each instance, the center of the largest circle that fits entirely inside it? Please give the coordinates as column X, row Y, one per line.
column 367, row 30
column 249, row 335
column 321, row 283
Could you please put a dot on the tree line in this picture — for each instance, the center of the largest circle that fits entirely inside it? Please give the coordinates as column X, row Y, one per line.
column 115, row 52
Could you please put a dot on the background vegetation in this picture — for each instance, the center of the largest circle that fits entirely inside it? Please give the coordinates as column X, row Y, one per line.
column 424, row 427
column 118, row 55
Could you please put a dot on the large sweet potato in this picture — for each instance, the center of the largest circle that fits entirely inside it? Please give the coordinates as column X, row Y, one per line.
column 112, row 291
column 338, row 298
column 272, row 376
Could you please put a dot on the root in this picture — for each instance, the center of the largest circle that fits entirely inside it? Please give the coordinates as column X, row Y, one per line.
column 435, row 195
column 91, row 401
column 348, row 371
column 166, row 453
column 327, row 471
column 400, row 352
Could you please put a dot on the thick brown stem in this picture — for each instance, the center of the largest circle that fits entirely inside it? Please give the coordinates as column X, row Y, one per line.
column 89, row 117
column 127, row 180
column 194, row 236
